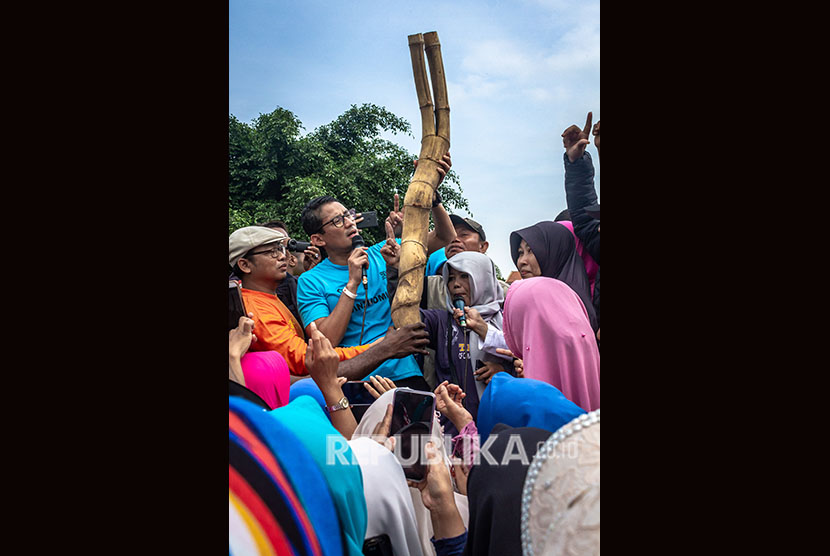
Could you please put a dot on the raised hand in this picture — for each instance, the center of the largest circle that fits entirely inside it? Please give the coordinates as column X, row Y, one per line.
column 395, row 218
column 241, row 337
column 443, row 168
column 391, row 251
column 448, row 400
column 378, row 385
column 321, row 361
column 311, row 257
column 595, row 132
column 436, row 488
column 575, row 140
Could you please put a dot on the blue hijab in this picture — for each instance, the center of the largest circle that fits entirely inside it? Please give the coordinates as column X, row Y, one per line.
column 307, row 387
column 523, row 402
column 334, row 458
column 300, row 468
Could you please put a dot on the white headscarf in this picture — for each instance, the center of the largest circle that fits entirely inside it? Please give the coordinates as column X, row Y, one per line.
column 486, row 297
column 389, row 504
column 374, row 415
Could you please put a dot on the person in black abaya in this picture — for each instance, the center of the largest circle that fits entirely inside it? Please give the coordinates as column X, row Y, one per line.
column 495, row 492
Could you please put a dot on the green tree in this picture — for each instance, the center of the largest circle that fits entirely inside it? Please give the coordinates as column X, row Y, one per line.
column 273, row 171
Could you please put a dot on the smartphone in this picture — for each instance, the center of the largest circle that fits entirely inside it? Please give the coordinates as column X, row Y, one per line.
column 410, row 450
column 359, row 410
column 370, row 219
column 410, row 406
column 236, row 307
column 357, row 393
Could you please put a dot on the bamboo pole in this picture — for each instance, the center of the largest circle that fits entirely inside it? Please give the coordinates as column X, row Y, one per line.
column 435, row 142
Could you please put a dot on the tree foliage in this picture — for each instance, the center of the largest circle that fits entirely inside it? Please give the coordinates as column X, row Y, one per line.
column 274, row 170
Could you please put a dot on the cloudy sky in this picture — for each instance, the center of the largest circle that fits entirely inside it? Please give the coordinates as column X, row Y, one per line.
column 518, row 73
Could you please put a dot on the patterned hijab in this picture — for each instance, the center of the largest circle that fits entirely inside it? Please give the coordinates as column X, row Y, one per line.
column 276, row 492
column 560, row 499
column 555, row 251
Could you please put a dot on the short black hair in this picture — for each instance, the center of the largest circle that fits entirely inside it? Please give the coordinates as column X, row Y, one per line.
column 564, row 215
column 275, row 224
column 310, row 218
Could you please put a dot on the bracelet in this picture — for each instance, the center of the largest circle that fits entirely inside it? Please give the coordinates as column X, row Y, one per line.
column 349, row 294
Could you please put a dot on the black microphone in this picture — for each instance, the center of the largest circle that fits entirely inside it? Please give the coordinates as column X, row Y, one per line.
column 357, row 241
column 458, row 301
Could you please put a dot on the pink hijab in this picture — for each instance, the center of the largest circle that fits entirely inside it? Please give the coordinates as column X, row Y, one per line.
column 267, row 375
column 546, row 325
column 591, row 266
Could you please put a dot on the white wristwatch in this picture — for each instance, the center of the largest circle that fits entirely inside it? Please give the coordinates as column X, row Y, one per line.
column 342, row 404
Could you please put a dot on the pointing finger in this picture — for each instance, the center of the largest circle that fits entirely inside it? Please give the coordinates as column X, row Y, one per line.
column 587, row 127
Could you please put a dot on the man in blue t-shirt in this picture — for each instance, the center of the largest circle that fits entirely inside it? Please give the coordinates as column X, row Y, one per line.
column 332, row 294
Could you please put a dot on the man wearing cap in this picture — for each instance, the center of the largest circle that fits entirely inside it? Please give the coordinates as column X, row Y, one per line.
column 469, row 236
column 258, row 256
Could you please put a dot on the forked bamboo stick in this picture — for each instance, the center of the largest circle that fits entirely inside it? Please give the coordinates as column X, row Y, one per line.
column 435, row 142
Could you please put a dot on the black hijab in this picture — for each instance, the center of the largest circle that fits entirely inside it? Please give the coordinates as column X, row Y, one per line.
column 494, row 492
column 555, row 250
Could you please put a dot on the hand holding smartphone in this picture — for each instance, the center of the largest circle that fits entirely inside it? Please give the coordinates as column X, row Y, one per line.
column 412, row 415
column 236, row 307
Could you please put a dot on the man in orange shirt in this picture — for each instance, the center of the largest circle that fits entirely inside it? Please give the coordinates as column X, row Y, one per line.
column 257, row 255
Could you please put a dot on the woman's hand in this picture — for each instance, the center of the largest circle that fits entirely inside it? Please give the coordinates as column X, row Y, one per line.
column 378, row 385
column 241, row 337
column 381, row 432
column 487, row 371
column 474, row 321
column 448, row 400
column 460, row 472
column 518, row 364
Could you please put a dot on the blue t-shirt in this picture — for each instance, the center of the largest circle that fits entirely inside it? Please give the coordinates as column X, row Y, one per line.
column 435, row 261
column 319, row 290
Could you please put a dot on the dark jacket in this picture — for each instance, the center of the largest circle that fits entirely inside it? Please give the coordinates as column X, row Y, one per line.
column 580, row 193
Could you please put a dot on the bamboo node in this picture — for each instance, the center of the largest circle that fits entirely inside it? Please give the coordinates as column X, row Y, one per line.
column 424, row 247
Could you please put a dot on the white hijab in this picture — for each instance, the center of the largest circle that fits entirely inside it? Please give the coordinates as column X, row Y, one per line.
column 486, row 297
column 388, row 502
column 374, row 415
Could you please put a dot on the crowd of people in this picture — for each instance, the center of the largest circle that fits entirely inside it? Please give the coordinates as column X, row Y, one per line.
column 506, row 459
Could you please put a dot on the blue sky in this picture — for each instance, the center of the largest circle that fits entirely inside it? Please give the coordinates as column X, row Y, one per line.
column 518, row 73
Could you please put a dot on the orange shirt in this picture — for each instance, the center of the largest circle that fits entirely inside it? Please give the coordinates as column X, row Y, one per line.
column 276, row 329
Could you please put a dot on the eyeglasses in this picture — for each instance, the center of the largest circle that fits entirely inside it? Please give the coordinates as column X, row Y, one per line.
column 274, row 251
column 338, row 220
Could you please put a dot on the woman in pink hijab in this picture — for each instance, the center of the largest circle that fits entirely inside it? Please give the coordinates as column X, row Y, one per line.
column 546, row 325
column 266, row 374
